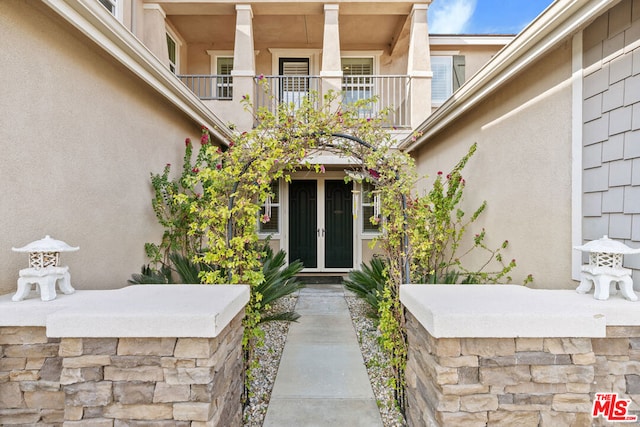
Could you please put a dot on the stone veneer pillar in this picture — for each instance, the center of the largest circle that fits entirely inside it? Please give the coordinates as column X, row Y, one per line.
column 508, row 355
column 96, row 381
column 419, row 65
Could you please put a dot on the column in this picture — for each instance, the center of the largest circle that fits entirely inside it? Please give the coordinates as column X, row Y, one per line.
column 331, row 71
column 419, row 65
column 244, row 64
column 155, row 32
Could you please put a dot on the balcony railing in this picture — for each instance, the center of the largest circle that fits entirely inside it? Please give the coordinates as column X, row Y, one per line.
column 273, row 90
column 209, row 87
column 390, row 92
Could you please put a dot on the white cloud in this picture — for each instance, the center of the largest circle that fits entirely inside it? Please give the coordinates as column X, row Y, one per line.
column 450, row 16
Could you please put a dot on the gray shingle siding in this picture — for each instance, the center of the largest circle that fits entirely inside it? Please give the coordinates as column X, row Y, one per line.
column 611, row 135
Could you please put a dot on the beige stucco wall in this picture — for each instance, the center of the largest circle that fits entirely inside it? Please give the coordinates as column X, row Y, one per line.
column 80, row 135
column 476, row 56
column 522, row 168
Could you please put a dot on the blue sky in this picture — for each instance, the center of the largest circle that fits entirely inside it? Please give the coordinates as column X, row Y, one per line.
column 483, row 16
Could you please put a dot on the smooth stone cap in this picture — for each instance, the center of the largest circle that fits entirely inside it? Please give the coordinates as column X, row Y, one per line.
column 508, row 311
column 138, row 311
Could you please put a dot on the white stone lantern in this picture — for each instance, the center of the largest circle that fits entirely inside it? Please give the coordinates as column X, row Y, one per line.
column 44, row 271
column 605, row 269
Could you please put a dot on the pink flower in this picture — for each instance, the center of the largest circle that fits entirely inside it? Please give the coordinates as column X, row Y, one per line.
column 322, row 169
column 231, row 144
column 261, row 77
column 195, row 170
column 448, row 176
column 374, row 173
column 439, row 172
column 168, row 165
column 187, row 142
column 219, row 150
column 265, row 218
column 204, row 139
column 219, row 166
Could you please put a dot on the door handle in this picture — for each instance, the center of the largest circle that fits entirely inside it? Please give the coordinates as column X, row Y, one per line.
column 320, row 230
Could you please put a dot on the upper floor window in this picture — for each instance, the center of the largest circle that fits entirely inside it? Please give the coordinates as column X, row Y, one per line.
column 356, row 79
column 172, row 47
column 224, row 81
column 448, row 75
column 111, row 5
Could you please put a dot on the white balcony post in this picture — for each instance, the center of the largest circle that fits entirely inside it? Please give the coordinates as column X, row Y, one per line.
column 331, row 71
column 419, row 65
column 155, row 32
column 244, row 64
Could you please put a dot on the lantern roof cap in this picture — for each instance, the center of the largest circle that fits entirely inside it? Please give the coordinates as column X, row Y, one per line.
column 47, row 245
column 607, row 245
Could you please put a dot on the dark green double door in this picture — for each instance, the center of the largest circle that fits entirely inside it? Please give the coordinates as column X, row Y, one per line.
column 321, row 228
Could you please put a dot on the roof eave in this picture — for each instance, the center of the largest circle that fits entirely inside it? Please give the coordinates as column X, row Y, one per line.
column 98, row 25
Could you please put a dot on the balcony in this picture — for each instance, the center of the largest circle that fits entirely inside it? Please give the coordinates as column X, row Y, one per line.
column 390, row 92
column 209, row 87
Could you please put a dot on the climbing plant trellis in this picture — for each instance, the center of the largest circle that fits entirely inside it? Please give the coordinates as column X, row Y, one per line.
column 214, row 208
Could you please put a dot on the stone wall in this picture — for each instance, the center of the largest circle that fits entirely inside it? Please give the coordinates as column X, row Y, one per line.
column 120, row 381
column 518, row 381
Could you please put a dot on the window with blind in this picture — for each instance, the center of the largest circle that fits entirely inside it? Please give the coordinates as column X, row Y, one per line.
column 448, row 75
column 295, row 80
column 357, row 82
column 173, row 53
column 224, row 81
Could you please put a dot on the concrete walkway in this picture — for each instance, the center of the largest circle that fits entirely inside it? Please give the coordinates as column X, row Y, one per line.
column 322, row 380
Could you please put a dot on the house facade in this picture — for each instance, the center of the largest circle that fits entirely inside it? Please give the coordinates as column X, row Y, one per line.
column 107, row 91
column 86, row 115
column 224, row 52
column 556, row 116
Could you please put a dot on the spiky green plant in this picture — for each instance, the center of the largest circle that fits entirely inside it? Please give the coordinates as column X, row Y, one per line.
column 279, row 281
column 368, row 283
column 149, row 276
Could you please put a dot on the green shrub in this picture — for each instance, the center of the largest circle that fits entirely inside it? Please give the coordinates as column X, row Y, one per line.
column 279, row 281
column 368, row 283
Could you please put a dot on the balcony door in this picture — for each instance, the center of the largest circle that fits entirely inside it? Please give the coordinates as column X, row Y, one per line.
column 294, row 85
column 321, row 224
